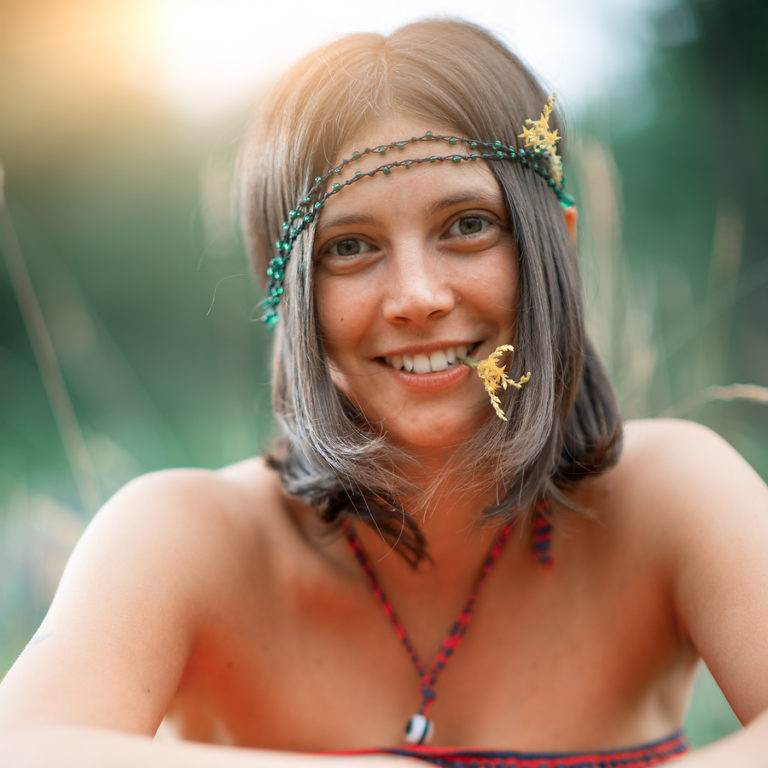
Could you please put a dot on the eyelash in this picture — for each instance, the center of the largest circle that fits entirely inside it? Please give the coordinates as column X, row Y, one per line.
column 365, row 247
column 328, row 250
column 469, row 217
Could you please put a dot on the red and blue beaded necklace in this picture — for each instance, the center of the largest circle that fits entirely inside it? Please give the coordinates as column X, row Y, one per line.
column 420, row 728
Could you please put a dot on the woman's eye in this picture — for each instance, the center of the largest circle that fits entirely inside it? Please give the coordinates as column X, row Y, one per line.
column 468, row 225
column 351, row 246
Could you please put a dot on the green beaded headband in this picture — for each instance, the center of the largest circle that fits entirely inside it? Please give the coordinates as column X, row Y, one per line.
column 538, row 153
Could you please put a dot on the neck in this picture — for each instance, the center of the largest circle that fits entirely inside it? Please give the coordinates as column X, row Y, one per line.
column 447, row 506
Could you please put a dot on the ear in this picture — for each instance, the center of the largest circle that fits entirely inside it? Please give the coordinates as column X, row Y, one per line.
column 571, row 220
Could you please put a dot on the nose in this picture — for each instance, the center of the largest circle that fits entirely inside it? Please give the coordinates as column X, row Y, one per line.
column 418, row 289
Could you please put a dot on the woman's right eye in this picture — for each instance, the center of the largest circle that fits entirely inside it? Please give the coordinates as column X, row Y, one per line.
column 345, row 248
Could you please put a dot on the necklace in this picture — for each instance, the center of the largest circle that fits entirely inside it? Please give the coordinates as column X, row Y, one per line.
column 420, row 728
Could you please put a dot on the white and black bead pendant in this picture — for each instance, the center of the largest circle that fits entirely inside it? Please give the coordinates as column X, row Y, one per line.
column 419, row 730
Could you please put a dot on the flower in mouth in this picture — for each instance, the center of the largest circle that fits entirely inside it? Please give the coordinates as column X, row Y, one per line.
column 494, row 376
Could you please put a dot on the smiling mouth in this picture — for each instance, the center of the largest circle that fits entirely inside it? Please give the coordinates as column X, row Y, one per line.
column 434, row 362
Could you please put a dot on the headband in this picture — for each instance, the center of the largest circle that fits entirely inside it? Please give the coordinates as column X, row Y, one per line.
column 538, row 153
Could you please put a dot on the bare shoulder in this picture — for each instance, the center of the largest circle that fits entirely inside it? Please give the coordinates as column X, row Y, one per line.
column 186, row 517
column 167, row 556
column 683, row 465
column 677, row 487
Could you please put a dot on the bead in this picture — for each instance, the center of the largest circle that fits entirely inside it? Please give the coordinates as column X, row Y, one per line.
column 385, row 170
column 358, row 175
column 318, row 179
column 456, row 158
column 336, row 187
column 381, row 150
column 429, row 135
column 355, row 155
column 452, row 140
column 419, row 730
column 432, row 159
column 318, row 206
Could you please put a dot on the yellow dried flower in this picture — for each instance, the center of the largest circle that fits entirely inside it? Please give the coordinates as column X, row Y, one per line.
column 538, row 136
column 494, row 376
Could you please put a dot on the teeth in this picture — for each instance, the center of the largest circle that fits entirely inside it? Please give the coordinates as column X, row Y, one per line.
column 421, row 364
column 439, row 360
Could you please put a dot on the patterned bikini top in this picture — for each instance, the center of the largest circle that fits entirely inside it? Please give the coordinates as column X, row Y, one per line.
column 643, row 756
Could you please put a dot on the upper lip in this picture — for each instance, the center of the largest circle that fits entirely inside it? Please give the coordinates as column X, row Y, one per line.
column 426, row 349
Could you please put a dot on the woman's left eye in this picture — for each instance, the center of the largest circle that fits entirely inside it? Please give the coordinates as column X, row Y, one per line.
column 468, row 225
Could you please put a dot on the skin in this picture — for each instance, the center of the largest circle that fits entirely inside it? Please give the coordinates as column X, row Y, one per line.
column 419, row 261
column 214, row 601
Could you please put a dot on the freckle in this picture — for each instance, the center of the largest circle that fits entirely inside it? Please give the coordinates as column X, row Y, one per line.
column 147, row 691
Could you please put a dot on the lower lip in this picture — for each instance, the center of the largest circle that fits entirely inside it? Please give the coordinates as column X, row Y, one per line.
column 430, row 382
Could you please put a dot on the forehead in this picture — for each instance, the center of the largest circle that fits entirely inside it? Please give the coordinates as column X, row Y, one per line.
column 406, row 169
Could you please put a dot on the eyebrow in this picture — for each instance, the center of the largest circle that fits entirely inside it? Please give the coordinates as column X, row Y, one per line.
column 470, row 196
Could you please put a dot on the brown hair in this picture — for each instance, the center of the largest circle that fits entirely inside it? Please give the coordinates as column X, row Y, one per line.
column 561, row 429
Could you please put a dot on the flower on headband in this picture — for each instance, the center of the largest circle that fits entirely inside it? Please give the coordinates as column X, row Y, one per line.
column 540, row 138
column 494, row 376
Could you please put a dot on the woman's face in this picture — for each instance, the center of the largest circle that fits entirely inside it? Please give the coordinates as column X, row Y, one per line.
column 412, row 270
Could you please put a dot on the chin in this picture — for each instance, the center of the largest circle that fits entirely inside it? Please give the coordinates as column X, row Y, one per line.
column 442, row 437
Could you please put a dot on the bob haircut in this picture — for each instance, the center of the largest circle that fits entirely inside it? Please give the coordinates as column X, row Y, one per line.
column 562, row 426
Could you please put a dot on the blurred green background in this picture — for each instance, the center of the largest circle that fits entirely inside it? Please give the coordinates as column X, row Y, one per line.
column 123, row 208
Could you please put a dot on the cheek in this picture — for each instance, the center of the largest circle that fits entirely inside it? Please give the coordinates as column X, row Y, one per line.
column 494, row 285
column 342, row 317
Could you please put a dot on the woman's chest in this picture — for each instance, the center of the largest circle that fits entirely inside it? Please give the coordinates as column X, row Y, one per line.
column 552, row 662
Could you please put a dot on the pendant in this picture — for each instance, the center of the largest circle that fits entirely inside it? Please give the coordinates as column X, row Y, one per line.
column 419, row 730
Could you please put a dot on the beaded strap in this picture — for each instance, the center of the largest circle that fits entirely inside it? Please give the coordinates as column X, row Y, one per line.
column 312, row 203
column 542, row 535
column 428, row 677
column 643, row 756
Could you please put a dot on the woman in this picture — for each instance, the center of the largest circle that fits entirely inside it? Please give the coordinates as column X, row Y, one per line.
column 297, row 603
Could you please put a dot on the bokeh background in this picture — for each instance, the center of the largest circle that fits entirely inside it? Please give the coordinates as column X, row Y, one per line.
column 127, row 341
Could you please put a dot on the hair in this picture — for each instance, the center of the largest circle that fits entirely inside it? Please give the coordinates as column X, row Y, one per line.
column 563, row 426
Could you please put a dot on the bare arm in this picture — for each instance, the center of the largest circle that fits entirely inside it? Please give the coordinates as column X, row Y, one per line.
column 78, row 747
column 720, row 554
column 113, row 645
column 93, row 685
